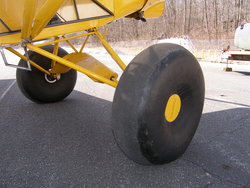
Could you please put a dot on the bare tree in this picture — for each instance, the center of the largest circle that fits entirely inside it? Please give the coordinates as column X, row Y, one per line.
column 201, row 19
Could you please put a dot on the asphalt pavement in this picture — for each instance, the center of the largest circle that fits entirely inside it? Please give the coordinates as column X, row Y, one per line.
column 70, row 144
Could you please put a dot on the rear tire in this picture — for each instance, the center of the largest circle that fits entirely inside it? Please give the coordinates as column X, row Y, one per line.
column 41, row 88
column 140, row 127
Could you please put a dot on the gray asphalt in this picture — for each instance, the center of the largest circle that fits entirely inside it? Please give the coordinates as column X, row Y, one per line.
column 70, row 144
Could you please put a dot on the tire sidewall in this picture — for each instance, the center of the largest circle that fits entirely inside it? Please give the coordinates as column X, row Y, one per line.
column 158, row 138
column 138, row 121
column 33, row 84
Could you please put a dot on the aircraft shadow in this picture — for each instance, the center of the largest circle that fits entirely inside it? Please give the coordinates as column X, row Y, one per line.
column 70, row 144
column 243, row 72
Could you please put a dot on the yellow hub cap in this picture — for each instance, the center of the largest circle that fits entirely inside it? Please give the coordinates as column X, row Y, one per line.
column 173, row 108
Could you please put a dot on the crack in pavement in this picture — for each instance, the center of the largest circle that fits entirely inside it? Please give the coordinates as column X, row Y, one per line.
column 224, row 132
column 213, row 174
column 228, row 102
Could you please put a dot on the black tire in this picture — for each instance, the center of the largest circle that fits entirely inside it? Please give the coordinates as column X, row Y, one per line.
column 34, row 85
column 139, row 123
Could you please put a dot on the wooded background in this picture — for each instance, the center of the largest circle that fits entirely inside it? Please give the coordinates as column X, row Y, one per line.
column 197, row 19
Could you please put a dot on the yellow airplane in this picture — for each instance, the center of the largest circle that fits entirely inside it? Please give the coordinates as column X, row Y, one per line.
column 159, row 97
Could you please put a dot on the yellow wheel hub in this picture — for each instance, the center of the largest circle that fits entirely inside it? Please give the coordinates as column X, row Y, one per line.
column 173, row 108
